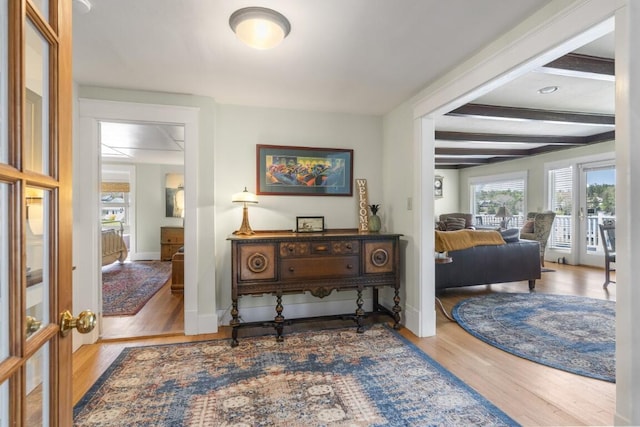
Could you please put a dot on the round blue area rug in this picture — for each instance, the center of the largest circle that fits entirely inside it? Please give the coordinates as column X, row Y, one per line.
column 571, row 333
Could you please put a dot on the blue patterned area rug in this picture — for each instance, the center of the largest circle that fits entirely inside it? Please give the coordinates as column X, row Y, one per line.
column 571, row 333
column 322, row 378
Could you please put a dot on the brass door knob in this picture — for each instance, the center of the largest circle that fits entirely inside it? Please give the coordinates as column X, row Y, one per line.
column 85, row 322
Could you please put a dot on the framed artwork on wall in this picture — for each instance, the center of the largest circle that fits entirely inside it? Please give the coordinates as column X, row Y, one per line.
column 437, row 186
column 303, row 171
column 174, row 194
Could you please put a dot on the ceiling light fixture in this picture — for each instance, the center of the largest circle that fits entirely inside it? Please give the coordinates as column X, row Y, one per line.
column 82, row 6
column 259, row 27
column 547, row 90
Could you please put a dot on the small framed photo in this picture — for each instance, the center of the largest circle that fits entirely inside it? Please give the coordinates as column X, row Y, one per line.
column 309, row 224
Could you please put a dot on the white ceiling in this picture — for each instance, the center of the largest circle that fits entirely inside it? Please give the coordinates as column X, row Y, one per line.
column 352, row 56
column 356, row 56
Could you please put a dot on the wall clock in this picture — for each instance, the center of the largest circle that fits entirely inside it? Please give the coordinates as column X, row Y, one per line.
column 437, row 186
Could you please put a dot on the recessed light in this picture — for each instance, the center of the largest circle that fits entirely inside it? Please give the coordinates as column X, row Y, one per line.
column 547, row 90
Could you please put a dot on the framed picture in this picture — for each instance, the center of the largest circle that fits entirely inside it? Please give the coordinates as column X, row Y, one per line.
column 309, row 224
column 437, row 186
column 303, row 171
column 174, row 195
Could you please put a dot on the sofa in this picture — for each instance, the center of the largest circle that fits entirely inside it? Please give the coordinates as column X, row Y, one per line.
column 513, row 261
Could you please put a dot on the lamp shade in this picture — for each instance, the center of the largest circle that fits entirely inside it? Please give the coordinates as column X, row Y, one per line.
column 503, row 212
column 244, row 197
column 259, row 27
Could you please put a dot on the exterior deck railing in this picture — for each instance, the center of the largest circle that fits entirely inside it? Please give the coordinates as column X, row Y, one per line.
column 560, row 237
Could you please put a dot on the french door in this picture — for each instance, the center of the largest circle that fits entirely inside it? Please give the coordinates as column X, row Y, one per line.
column 597, row 203
column 35, row 213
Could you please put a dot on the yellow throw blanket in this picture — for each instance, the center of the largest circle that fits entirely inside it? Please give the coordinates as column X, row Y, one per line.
column 463, row 239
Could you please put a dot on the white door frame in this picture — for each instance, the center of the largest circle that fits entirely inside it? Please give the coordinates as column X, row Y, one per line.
column 86, row 188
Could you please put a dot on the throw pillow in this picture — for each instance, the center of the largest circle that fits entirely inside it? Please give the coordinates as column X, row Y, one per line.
column 510, row 235
column 527, row 227
column 454, row 224
column 441, row 226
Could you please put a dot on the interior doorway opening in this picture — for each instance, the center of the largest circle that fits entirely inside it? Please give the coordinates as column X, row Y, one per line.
column 141, row 177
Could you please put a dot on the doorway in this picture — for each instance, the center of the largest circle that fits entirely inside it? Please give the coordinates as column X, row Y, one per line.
column 138, row 298
column 597, row 204
column 93, row 112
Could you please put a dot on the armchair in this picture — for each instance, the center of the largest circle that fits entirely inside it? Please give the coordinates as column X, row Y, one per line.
column 542, row 224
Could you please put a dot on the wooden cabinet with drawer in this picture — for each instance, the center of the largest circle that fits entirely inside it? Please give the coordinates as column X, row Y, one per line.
column 171, row 240
column 318, row 263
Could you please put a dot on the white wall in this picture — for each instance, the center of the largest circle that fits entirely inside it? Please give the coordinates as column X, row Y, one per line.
column 239, row 130
column 150, row 208
column 450, row 200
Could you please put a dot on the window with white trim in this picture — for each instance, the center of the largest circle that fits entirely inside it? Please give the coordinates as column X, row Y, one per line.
column 561, row 202
column 489, row 194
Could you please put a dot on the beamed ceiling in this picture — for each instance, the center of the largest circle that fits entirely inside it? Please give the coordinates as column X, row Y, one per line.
column 494, row 133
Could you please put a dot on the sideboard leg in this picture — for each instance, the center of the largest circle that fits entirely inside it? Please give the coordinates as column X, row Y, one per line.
column 396, row 309
column 359, row 311
column 279, row 319
column 235, row 323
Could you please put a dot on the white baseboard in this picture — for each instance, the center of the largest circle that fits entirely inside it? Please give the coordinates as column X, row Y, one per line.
column 145, row 256
column 208, row 324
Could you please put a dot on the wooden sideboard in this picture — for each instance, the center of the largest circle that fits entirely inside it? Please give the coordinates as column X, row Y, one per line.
column 171, row 240
column 281, row 262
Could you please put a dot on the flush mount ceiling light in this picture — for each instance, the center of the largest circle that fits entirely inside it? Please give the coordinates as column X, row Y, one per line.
column 547, row 90
column 259, row 27
column 82, row 6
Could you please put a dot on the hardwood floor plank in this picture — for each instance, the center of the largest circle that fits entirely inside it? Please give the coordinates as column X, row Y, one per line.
column 530, row 393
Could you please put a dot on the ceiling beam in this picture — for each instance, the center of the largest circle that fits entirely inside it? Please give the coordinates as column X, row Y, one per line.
column 448, row 151
column 531, row 114
column 462, row 160
column 518, row 139
column 583, row 66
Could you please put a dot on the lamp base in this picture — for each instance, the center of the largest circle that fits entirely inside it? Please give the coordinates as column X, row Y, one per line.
column 245, row 228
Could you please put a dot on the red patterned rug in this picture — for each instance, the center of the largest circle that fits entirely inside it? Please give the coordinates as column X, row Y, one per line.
column 127, row 287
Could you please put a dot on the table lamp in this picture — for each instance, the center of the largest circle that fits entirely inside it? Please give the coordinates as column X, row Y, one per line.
column 503, row 213
column 244, row 197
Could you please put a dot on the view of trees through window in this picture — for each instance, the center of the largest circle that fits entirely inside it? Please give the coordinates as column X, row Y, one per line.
column 601, row 198
column 488, row 197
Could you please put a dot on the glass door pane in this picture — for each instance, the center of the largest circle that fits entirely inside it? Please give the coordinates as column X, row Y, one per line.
column 4, row 272
column 36, row 143
column 38, row 390
column 4, row 103
column 43, row 7
column 37, row 259
column 598, row 194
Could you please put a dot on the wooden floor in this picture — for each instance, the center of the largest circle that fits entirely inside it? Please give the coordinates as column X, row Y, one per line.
column 530, row 393
column 163, row 314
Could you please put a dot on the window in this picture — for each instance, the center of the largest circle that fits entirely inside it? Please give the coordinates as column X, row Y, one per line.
column 489, row 194
column 561, row 202
column 114, row 201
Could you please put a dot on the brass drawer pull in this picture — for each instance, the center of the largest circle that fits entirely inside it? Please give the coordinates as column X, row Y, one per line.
column 322, row 248
column 291, row 269
column 349, row 266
